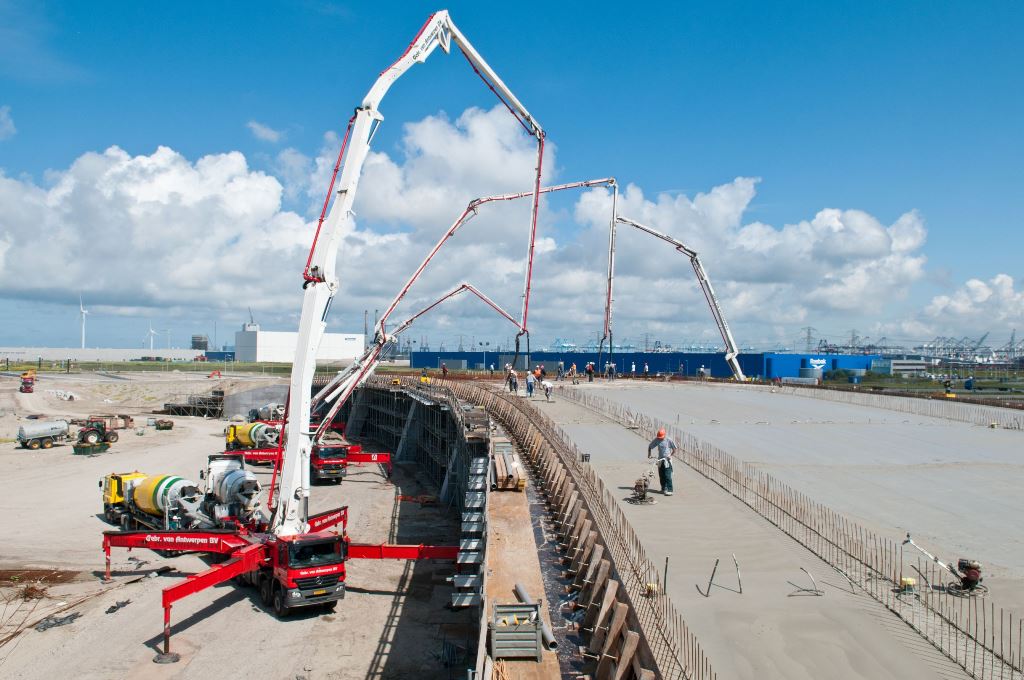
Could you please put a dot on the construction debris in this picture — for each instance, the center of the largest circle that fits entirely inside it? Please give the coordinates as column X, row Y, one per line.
column 55, row 621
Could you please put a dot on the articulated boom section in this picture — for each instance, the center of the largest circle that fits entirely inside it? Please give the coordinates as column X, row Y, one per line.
column 319, row 277
column 731, row 349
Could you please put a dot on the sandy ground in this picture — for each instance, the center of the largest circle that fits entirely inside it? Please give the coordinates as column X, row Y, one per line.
column 953, row 486
column 770, row 630
column 392, row 624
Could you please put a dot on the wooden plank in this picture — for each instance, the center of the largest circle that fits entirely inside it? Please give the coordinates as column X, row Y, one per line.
column 598, row 612
column 626, row 652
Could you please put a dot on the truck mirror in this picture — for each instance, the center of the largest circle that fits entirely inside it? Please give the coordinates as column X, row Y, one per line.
column 202, row 474
column 100, row 484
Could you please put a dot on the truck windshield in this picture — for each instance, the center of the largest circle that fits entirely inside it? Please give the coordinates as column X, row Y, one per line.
column 332, row 452
column 312, row 554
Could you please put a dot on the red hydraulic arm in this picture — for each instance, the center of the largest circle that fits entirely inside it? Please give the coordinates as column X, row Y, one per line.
column 385, row 551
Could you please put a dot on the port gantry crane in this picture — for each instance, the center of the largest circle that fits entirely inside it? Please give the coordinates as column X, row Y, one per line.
column 731, row 350
column 262, row 551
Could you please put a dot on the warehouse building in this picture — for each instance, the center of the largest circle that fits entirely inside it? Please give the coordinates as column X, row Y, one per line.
column 764, row 365
column 255, row 345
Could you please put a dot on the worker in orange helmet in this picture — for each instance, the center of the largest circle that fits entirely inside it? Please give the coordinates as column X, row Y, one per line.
column 666, row 447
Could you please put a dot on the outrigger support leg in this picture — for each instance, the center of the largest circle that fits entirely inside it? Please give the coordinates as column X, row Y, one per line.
column 167, row 656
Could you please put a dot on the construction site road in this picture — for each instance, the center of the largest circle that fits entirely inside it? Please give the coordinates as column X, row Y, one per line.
column 773, row 629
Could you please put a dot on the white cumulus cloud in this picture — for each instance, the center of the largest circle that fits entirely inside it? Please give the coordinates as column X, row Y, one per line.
column 995, row 302
column 213, row 233
column 264, row 133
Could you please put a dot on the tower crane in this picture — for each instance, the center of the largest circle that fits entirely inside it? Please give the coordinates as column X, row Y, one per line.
column 731, row 349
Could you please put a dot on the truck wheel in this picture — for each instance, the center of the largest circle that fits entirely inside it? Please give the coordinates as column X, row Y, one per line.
column 126, row 523
column 47, row 443
column 280, row 607
column 34, row 444
column 91, row 437
column 111, row 437
column 266, row 590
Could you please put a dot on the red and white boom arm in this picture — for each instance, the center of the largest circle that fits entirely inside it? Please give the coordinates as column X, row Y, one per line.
column 335, row 389
column 345, row 383
column 320, row 280
column 731, row 350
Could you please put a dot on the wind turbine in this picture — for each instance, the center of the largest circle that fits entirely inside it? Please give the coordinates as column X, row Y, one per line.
column 82, row 311
column 152, row 334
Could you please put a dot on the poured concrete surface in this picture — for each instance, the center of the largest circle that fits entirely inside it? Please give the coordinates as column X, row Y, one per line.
column 957, row 488
column 770, row 630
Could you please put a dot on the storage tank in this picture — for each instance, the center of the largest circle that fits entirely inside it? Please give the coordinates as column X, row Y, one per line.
column 154, row 495
column 45, row 428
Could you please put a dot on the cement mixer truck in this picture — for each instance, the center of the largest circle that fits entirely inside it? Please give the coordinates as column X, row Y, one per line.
column 251, row 436
column 135, row 500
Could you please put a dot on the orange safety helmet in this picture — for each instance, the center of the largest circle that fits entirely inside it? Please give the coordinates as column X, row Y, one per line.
column 661, row 433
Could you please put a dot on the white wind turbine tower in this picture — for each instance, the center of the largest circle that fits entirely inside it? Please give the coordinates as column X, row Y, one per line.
column 82, row 311
column 152, row 334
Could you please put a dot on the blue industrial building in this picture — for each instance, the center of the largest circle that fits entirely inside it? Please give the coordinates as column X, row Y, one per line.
column 764, row 365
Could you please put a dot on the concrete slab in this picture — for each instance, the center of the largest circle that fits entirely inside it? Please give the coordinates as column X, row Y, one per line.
column 770, row 631
column 953, row 486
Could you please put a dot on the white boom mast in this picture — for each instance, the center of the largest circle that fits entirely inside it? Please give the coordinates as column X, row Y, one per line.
column 731, row 350
column 320, row 280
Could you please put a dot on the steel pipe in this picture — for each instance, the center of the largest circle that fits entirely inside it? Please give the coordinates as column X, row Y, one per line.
column 547, row 637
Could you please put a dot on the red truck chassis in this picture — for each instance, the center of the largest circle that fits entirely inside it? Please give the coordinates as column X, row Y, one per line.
column 249, row 551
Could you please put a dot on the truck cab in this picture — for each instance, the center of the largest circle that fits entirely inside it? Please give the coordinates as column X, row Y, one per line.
column 114, row 487
column 329, row 459
column 306, row 570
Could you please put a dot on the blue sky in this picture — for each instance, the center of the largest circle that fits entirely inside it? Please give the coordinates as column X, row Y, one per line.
column 880, row 107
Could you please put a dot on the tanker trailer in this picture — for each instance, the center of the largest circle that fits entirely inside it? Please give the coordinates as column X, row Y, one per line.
column 42, row 434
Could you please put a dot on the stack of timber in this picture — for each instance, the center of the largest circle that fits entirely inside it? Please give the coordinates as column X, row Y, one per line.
column 507, row 473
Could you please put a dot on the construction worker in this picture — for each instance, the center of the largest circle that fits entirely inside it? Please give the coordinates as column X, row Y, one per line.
column 647, row 369
column 513, row 381
column 632, row 370
column 444, row 370
column 590, row 372
column 548, row 386
column 666, row 447
column 531, row 380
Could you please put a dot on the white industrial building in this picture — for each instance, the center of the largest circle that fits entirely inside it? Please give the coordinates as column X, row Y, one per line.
column 254, row 345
